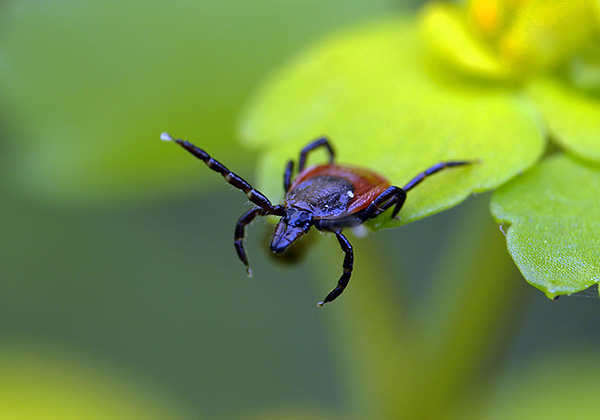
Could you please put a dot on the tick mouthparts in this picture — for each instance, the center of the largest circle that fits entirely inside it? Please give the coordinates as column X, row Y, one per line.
column 166, row 137
column 280, row 245
column 284, row 236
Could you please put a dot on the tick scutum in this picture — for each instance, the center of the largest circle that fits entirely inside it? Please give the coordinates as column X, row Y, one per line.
column 323, row 195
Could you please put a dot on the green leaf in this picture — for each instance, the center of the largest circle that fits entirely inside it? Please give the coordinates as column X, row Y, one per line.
column 554, row 216
column 372, row 93
column 86, row 88
column 573, row 116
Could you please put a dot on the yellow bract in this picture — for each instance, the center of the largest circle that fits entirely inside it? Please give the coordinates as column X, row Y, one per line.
column 509, row 39
column 487, row 17
column 449, row 38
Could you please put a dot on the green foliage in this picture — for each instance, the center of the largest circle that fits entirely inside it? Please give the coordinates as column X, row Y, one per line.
column 390, row 104
column 573, row 115
column 370, row 91
column 554, row 221
column 85, row 92
column 87, row 87
column 477, row 91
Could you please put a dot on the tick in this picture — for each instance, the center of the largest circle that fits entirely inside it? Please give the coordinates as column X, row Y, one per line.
column 329, row 197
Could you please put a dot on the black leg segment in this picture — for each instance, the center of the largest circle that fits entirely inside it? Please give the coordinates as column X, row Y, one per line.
column 287, row 175
column 322, row 142
column 435, row 168
column 240, row 232
column 391, row 196
column 253, row 195
column 347, row 267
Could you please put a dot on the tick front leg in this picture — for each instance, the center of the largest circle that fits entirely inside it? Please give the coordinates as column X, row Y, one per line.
column 240, row 232
column 237, row 181
column 347, row 267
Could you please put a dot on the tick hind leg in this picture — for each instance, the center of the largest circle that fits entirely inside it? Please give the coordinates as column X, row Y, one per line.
column 435, row 168
column 395, row 196
column 240, row 233
column 347, row 267
column 390, row 197
column 322, row 142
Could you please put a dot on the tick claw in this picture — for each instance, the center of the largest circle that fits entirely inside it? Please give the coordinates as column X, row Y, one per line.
column 320, row 304
column 166, row 137
column 249, row 272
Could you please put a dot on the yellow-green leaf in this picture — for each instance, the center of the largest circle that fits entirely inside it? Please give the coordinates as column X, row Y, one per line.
column 553, row 214
column 370, row 90
column 572, row 115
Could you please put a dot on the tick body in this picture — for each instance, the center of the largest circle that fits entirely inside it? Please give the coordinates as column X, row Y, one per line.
column 329, row 197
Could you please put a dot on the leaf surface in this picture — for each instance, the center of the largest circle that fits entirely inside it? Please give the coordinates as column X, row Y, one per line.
column 572, row 115
column 554, row 215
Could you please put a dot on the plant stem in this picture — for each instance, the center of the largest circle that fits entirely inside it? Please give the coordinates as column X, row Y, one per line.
column 368, row 335
column 467, row 309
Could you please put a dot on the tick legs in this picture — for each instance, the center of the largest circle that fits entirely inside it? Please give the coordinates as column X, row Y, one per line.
column 287, row 175
column 289, row 169
column 396, row 195
column 392, row 195
column 253, row 195
column 240, row 231
column 322, row 142
column 435, row 168
column 347, row 267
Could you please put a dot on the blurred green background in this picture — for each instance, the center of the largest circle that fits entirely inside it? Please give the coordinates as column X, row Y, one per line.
column 120, row 292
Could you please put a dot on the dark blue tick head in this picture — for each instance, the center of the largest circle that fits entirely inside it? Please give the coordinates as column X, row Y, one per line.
column 293, row 225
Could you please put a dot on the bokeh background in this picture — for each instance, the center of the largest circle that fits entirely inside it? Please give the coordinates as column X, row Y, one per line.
column 120, row 292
